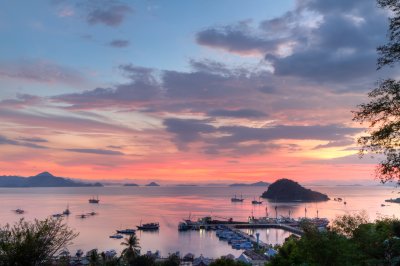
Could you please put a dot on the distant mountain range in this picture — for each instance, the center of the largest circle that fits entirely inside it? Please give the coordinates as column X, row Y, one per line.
column 44, row 179
column 257, row 184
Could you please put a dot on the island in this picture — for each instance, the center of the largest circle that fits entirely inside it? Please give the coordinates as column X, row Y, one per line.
column 152, row 184
column 130, row 185
column 289, row 190
column 393, row 200
column 44, row 179
column 257, row 184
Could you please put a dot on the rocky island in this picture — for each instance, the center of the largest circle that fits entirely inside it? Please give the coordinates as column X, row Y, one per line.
column 44, row 179
column 393, row 200
column 152, row 184
column 289, row 190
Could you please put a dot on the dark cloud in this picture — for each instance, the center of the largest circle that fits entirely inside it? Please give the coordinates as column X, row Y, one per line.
column 7, row 141
column 110, row 13
column 141, row 87
column 119, row 43
column 319, row 40
column 40, row 71
column 21, row 100
column 237, row 38
column 96, row 151
column 246, row 140
column 240, row 113
column 33, row 139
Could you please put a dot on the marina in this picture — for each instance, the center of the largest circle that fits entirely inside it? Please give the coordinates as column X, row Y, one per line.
column 178, row 210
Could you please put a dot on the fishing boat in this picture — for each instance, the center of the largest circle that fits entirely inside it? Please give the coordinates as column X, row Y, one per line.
column 67, row 211
column 19, row 211
column 235, row 199
column 148, row 227
column 117, row 236
column 127, row 231
column 92, row 213
column 256, row 202
column 94, row 200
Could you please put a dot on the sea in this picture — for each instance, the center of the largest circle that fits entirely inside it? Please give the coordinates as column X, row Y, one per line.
column 126, row 207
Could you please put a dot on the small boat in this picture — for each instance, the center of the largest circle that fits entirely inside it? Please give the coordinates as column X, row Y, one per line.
column 148, row 227
column 92, row 213
column 256, row 202
column 383, row 205
column 183, row 226
column 58, row 215
column 235, row 199
column 117, row 236
column 127, row 231
column 67, row 211
column 94, row 200
column 19, row 211
column 82, row 216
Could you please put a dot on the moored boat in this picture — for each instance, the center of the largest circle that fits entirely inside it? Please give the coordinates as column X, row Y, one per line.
column 148, row 227
column 117, row 236
column 94, row 200
column 236, row 199
column 127, row 231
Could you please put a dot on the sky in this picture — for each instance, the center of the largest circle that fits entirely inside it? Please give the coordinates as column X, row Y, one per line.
column 197, row 91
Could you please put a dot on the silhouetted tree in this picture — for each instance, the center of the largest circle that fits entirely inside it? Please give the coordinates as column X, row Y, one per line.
column 33, row 243
column 382, row 113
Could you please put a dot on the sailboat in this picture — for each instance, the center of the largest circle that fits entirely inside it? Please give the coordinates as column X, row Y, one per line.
column 67, row 211
column 94, row 200
column 256, row 202
column 235, row 199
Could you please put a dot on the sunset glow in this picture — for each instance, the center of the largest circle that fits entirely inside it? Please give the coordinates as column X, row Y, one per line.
column 187, row 92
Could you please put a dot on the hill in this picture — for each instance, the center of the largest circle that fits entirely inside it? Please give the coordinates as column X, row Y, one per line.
column 130, row 185
column 152, row 184
column 257, row 184
column 289, row 190
column 44, row 179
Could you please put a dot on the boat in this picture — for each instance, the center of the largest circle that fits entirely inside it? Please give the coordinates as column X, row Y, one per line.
column 92, row 213
column 19, row 211
column 82, row 216
column 117, row 236
column 94, row 200
column 127, row 231
column 183, row 226
column 235, row 199
column 256, row 202
column 67, row 211
column 148, row 227
column 58, row 215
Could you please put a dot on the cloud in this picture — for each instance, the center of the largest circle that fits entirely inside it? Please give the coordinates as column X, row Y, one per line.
column 118, row 43
column 239, row 39
column 109, row 13
column 22, row 100
column 40, row 71
column 33, row 139
column 246, row 140
column 7, row 141
column 336, row 143
column 321, row 41
column 240, row 113
column 96, row 151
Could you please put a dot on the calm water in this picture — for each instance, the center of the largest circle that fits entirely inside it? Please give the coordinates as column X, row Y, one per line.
column 126, row 207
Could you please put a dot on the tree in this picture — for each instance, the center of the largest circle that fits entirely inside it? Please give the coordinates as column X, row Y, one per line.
column 227, row 262
column 383, row 111
column 132, row 249
column 347, row 224
column 33, row 243
column 172, row 260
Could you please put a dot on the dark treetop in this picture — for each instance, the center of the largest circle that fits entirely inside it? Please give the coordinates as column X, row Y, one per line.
column 44, row 179
column 288, row 190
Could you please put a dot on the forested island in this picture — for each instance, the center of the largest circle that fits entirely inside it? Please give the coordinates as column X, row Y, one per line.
column 289, row 190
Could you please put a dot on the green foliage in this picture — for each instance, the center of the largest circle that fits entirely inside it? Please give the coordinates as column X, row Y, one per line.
column 352, row 241
column 33, row 243
column 142, row 260
column 346, row 224
column 227, row 262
